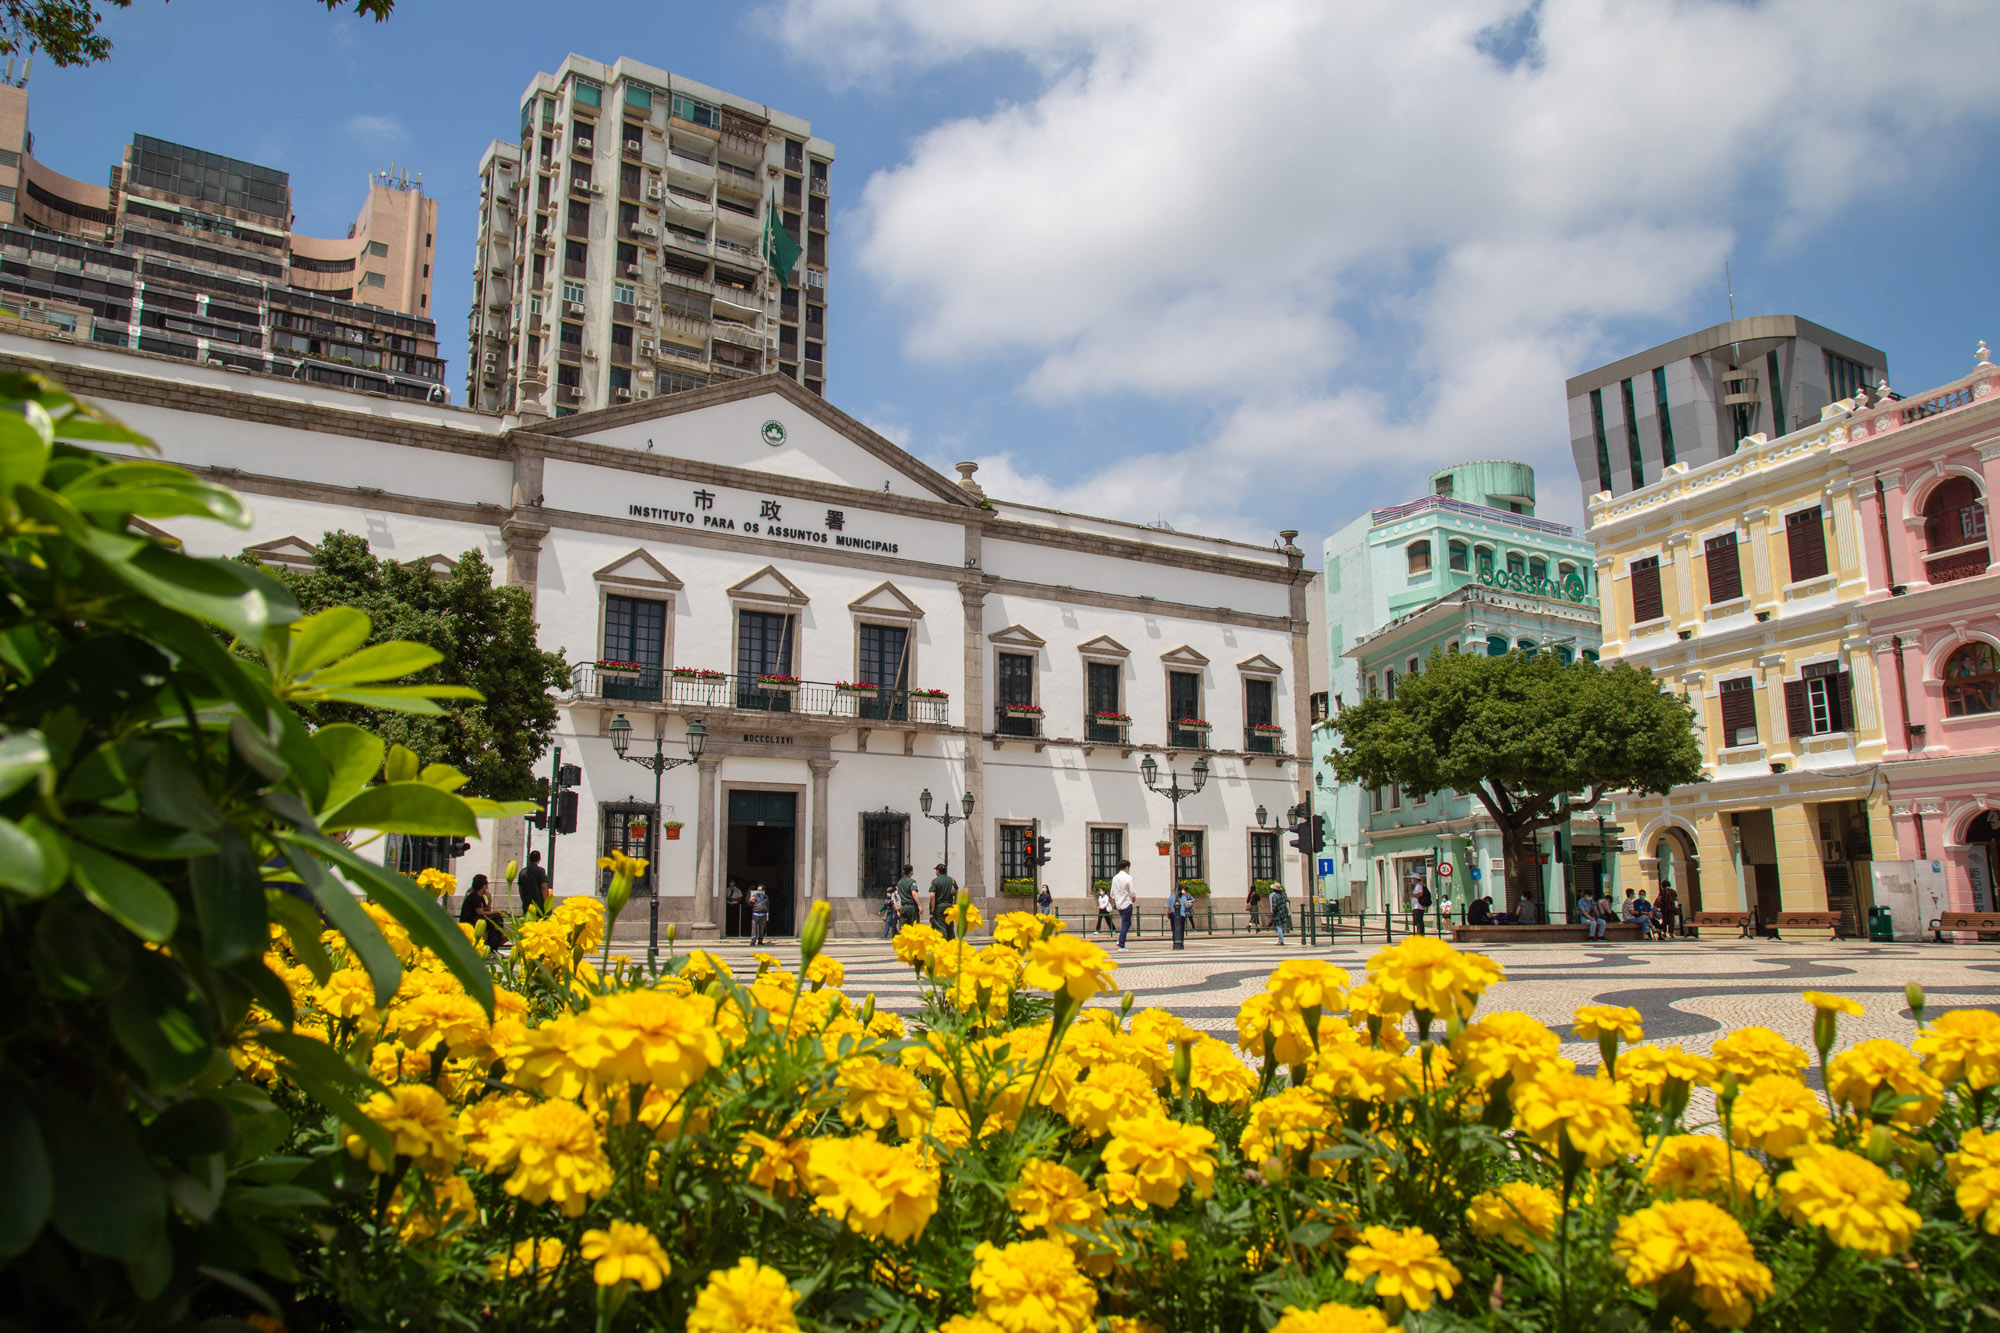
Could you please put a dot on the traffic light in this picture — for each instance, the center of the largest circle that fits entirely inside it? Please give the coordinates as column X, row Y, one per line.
column 569, row 775
column 540, row 819
column 1302, row 836
column 1318, row 834
column 1041, row 852
column 565, row 812
column 456, row 848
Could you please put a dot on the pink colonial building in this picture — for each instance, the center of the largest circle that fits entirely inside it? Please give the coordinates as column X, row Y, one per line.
column 1924, row 473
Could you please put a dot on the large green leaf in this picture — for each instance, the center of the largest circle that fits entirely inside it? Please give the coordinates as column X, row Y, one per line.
column 352, row 757
column 24, row 758
column 302, row 928
column 343, row 909
column 420, row 700
column 32, row 861
column 383, row 661
column 153, row 490
column 124, row 892
column 229, row 902
column 403, row 807
column 108, row 1200
column 230, row 596
column 141, row 837
column 326, row 637
column 155, row 1022
column 27, row 1185
column 25, row 438
column 428, row 924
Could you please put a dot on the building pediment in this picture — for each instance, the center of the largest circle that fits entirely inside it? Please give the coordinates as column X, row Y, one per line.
column 1259, row 665
column 886, row 601
column 1183, row 656
column 439, row 564
column 1017, row 636
column 640, row 571
column 294, row 553
column 768, row 585
column 1105, row 648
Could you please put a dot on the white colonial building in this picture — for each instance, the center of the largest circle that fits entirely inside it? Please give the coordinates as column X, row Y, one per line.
column 850, row 627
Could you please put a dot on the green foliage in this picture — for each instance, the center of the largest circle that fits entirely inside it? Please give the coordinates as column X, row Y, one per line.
column 65, row 31
column 162, row 808
column 1018, row 888
column 459, row 631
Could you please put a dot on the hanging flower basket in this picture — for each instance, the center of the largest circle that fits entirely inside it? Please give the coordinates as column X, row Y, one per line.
column 673, row 830
column 1187, row 849
column 1164, row 846
column 617, row 670
column 636, row 830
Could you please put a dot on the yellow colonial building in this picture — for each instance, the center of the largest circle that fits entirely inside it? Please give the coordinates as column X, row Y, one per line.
column 1740, row 583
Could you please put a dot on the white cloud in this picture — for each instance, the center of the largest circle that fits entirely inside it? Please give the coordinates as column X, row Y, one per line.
column 377, row 131
column 1350, row 240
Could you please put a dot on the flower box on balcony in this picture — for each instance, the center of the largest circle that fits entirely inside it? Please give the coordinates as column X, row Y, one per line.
column 929, row 694
column 778, row 683
column 699, row 673
column 1267, row 729
column 1021, row 710
column 1112, row 719
column 616, row 670
column 857, row 689
column 1017, row 888
column 1190, row 724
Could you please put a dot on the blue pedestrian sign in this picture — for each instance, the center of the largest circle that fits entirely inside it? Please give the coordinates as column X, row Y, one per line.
column 1472, row 871
column 1326, row 865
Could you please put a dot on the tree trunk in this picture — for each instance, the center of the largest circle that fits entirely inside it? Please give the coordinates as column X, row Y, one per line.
column 1523, row 877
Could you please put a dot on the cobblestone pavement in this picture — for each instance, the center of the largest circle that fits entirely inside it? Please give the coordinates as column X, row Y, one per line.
column 1688, row 991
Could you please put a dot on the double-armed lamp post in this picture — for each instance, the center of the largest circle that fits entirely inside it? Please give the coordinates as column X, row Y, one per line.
column 1149, row 769
column 947, row 819
column 658, row 763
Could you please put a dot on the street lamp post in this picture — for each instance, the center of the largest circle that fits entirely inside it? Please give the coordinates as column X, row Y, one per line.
column 657, row 763
column 947, row 819
column 1149, row 770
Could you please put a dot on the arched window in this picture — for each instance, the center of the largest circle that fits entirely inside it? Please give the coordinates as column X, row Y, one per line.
column 1953, row 515
column 1527, row 646
column 1538, row 569
column 1590, row 654
column 1484, row 556
column 1565, row 656
column 1516, row 564
column 1419, row 556
column 1496, row 645
column 1972, row 681
column 1461, row 556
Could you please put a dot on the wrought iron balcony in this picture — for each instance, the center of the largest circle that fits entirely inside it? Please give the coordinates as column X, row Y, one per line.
column 749, row 694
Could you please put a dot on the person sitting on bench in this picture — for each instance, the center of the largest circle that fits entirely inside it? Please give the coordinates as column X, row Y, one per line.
column 1522, row 915
column 1480, row 913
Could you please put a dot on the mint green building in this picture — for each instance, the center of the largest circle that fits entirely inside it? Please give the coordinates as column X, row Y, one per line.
column 1466, row 568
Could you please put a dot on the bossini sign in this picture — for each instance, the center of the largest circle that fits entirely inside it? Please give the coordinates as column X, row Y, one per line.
column 1569, row 589
column 779, row 520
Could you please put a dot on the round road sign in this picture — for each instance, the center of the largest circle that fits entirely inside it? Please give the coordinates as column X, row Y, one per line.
column 1444, row 868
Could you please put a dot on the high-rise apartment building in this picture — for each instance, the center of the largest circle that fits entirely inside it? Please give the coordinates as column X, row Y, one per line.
column 191, row 254
column 645, row 234
column 1695, row 399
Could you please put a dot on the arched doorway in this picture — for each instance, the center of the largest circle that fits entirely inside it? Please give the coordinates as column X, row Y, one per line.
column 1982, row 858
column 1680, row 868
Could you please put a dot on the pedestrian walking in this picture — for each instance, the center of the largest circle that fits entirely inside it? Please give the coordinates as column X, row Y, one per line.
column 1179, row 908
column 760, row 914
column 1281, row 913
column 1123, row 899
column 1420, row 902
column 477, row 909
column 1104, row 921
column 889, row 915
column 534, row 886
column 906, row 898
column 1045, row 901
column 1667, row 910
column 944, row 892
column 1250, row 905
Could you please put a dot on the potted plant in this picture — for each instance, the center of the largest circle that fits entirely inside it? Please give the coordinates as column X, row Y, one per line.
column 1197, row 888
column 1262, row 887
column 1165, row 846
column 673, row 830
column 856, row 688
column 637, row 828
column 1268, row 729
column 1119, row 720
column 777, row 683
column 618, row 670
column 699, row 673
column 1187, row 849
column 1017, row 888
column 929, row 694
column 1190, row 724
column 1021, row 710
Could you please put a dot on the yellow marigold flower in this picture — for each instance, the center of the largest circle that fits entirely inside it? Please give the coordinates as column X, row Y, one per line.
column 826, row 970
column 1159, row 1154
column 879, row 1095
column 1216, row 1073
column 876, row 1189
column 1307, row 983
column 1332, row 1318
column 649, row 1036
column 418, row 1122
column 1017, row 930
column 779, row 1164
column 555, row 1154
column 969, row 1323
column 584, row 918
column 1064, row 964
column 439, row 1207
column 530, row 1258
column 1119, row 1323
column 1280, row 1126
column 1962, row 1046
column 1425, row 975
column 1032, row 1286
column 1975, row 1170
column 348, row 993
column 1702, row 1166
column 703, row 967
column 1406, row 1265
column 434, row 1018
column 749, row 1298
column 1111, row 1092
column 886, row 1025
column 625, row 1252
column 1509, row 1043
column 1595, row 1020
column 1261, row 1017
column 1857, row 1077
column 1858, row 1204
column 1349, row 1071
column 1832, row 1004
column 1517, row 1213
column 915, row 944
column 1751, row 1053
column 1646, row 1070
column 1590, row 1113
column 1778, row 1115
column 1050, row 1197
column 1695, row 1242
column 436, row 882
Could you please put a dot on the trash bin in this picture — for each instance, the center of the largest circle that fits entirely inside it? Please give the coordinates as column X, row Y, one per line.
column 1880, row 926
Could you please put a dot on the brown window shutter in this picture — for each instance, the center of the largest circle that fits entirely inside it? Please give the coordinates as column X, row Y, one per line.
column 1739, row 710
column 1725, row 574
column 1844, row 693
column 1646, row 604
column 1798, row 717
column 1805, row 542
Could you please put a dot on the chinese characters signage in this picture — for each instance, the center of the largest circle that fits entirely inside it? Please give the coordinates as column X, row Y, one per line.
column 782, row 520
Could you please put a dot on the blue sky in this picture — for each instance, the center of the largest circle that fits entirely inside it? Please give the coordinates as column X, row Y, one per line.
column 1244, row 276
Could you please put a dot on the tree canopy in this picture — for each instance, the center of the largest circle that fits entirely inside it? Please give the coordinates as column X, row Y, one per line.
column 486, row 635
column 65, row 31
column 1519, row 733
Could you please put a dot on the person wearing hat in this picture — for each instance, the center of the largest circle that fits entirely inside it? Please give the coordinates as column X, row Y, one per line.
column 944, row 892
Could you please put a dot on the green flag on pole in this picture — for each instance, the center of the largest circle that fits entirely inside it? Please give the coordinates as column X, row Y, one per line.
column 780, row 249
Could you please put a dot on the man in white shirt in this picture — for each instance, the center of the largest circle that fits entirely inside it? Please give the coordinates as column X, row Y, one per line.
column 1122, row 898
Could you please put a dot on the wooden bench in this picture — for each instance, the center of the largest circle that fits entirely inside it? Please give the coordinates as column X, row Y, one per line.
column 1559, row 933
column 1966, row 921
column 1745, row 922
column 1806, row 921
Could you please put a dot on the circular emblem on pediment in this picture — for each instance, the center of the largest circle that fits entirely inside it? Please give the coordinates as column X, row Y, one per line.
column 773, row 432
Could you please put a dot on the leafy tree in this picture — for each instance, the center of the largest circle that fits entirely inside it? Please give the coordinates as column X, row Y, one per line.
column 1520, row 733
column 162, row 807
column 485, row 637
column 66, row 30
